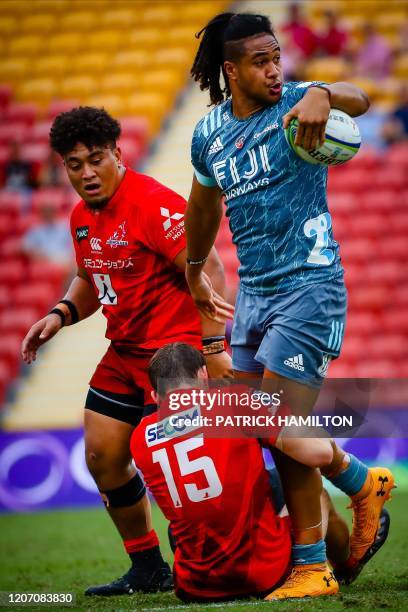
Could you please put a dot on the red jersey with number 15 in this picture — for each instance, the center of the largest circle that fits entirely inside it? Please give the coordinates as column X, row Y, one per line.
column 217, row 497
column 128, row 249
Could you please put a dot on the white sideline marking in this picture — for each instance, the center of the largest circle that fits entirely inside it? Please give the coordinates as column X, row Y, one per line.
column 210, row 605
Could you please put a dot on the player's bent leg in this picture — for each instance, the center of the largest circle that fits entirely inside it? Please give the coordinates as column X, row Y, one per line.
column 107, row 447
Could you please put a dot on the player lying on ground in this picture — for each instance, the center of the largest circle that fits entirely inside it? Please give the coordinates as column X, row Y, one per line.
column 291, row 306
column 233, row 537
column 128, row 234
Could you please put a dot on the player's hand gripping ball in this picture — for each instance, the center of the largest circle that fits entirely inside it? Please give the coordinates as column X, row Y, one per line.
column 342, row 140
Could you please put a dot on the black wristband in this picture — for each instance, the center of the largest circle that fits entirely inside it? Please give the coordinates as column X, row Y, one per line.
column 191, row 262
column 72, row 310
column 211, row 339
column 59, row 312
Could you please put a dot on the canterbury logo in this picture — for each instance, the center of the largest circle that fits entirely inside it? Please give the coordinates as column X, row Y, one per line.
column 95, row 244
column 383, row 482
column 166, row 213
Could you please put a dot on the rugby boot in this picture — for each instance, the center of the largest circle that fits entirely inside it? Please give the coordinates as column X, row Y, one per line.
column 316, row 580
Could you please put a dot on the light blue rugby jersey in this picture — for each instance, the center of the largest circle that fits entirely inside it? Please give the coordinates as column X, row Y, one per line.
column 276, row 202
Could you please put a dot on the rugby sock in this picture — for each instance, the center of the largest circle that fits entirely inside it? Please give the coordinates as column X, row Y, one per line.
column 309, row 554
column 352, row 479
column 144, row 551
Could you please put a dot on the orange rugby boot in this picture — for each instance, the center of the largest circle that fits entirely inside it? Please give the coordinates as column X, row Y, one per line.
column 314, row 580
column 367, row 505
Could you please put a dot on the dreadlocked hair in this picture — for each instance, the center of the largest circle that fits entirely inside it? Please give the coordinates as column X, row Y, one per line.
column 86, row 124
column 211, row 54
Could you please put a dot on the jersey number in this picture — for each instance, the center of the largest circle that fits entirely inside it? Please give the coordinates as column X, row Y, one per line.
column 319, row 227
column 189, row 466
column 107, row 294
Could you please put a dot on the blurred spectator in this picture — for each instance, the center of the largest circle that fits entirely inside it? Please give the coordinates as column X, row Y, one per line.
column 18, row 173
column 52, row 173
column 299, row 34
column 395, row 128
column 334, row 38
column 373, row 58
column 50, row 240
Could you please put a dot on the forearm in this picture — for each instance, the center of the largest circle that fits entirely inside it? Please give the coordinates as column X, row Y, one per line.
column 215, row 271
column 82, row 295
column 349, row 98
column 203, row 216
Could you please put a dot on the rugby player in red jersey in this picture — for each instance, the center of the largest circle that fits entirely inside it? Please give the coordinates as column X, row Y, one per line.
column 128, row 233
column 232, row 532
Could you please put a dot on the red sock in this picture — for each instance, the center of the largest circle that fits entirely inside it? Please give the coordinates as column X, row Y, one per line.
column 144, row 542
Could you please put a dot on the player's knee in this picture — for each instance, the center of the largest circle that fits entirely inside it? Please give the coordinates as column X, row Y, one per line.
column 103, row 464
column 323, row 455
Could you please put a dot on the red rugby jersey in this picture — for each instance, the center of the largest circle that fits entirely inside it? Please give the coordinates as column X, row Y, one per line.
column 217, row 497
column 127, row 249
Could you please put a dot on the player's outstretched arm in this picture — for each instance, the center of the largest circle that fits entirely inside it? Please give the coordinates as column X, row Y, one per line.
column 312, row 111
column 203, row 216
column 81, row 295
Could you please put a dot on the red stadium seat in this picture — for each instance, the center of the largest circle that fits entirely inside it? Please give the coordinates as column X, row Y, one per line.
column 369, row 298
column 10, row 352
column 25, row 112
column 383, row 272
column 11, row 202
column 357, row 251
column 45, row 271
column 134, row 127
column 13, row 131
column 53, row 196
column 11, row 273
column 131, row 151
column 39, row 295
column 351, row 350
column 35, row 152
column 60, row 106
column 40, row 131
column 381, row 368
column 384, row 200
column 394, row 321
column 5, row 97
column 17, row 321
column 11, row 248
column 388, row 347
column 362, row 324
column 393, row 246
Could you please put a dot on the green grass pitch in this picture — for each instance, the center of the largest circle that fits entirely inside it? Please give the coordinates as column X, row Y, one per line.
column 65, row 551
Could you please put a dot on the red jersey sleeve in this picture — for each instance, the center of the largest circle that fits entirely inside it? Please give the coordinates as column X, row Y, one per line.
column 161, row 220
column 76, row 235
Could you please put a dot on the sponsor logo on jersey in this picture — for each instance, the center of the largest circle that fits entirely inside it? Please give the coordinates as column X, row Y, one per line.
column 322, row 370
column 81, row 232
column 173, row 426
column 169, row 218
column 216, row 146
column 95, row 244
column 117, row 238
column 295, row 362
column 239, row 143
column 269, row 128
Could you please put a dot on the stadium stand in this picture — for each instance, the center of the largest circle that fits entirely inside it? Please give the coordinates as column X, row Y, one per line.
column 135, row 61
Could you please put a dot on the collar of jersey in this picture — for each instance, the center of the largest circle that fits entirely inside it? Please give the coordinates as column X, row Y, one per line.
column 261, row 110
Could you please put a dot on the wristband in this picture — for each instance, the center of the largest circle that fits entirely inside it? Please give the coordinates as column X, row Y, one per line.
column 198, row 262
column 59, row 312
column 214, row 348
column 211, row 339
column 72, row 310
column 325, row 88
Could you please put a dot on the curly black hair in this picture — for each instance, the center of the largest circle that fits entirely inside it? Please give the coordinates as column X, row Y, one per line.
column 86, row 124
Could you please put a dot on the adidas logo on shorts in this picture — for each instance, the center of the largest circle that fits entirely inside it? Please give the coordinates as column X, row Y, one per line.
column 295, row 362
column 216, row 146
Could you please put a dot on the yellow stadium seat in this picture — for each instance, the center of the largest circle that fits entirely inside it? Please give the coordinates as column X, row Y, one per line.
column 39, row 91
column 104, row 40
column 14, row 70
column 90, row 63
column 154, row 106
column 198, row 13
column 400, row 68
column 161, row 15
column 145, row 38
column 12, row 8
column 78, row 21
column 66, row 43
column 28, row 46
column 44, row 6
column 38, row 24
column 78, row 87
column 119, row 83
column 327, row 69
column 183, row 35
column 120, row 18
column 165, row 80
column 173, row 56
column 390, row 23
column 114, row 104
column 51, row 65
column 8, row 25
column 136, row 59
column 369, row 86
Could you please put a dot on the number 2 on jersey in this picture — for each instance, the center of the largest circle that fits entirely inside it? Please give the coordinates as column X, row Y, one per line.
column 319, row 227
column 189, row 466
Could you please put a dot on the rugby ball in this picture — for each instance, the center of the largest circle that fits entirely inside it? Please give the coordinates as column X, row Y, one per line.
column 342, row 140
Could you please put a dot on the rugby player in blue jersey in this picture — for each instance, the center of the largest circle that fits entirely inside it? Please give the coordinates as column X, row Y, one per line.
column 291, row 306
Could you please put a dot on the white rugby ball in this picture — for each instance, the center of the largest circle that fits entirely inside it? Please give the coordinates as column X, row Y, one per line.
column 342, row 140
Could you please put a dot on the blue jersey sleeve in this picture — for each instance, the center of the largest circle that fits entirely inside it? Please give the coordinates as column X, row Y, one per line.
column 296, row 91
column 198, row 158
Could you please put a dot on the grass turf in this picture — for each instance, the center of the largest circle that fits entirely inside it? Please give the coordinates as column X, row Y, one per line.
column 65, row 551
